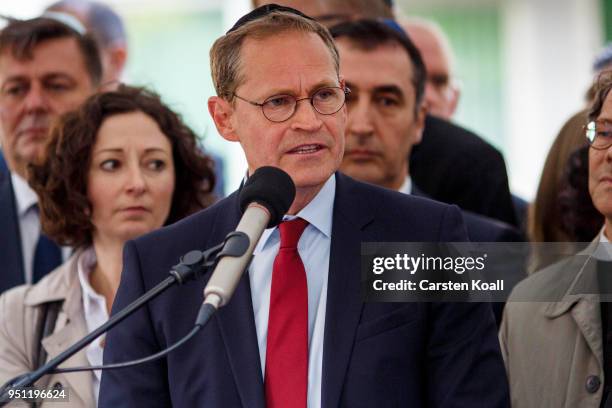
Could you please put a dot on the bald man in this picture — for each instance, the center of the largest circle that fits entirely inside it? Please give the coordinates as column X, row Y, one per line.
column 107, row 28
column 441, row 92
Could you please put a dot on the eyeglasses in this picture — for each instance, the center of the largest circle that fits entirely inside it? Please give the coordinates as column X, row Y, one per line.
column 279, row 108
column 599, row 134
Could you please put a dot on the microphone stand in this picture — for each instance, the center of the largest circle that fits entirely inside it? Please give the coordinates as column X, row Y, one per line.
column 192, row 265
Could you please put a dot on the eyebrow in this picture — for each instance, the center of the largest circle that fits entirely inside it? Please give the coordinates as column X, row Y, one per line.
column 318, row 85
column 120, row 150
column 392, row 89
column 45, row 77
column 58, row 75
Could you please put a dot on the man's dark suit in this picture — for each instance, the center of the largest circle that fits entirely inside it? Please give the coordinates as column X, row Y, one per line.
column 11, row 258
column 453, row 165
column 483, row 229
column 375, row 354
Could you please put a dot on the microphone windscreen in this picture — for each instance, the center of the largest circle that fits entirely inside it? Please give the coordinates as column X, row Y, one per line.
column 270, row 187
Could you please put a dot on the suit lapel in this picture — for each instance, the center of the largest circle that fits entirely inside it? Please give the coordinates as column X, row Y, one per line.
column 344, row 303
column 587, row 313
column 581, row 300
column 11, row 260
column 237, row 325
column 587, row 316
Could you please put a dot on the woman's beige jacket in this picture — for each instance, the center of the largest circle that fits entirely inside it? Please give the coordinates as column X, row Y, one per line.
column 19, row 315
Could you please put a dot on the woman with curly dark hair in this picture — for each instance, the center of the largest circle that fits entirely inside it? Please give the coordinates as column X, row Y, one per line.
column 122, row 165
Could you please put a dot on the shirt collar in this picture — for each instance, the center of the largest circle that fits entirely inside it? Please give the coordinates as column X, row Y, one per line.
column 25, row 197
column 603, row 252
column 406, row 187
column 85, row 265
column 318, row 212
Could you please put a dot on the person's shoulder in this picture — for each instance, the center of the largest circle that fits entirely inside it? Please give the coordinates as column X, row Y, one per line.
column 485, row 229
column 398, row 216
column 13, row 300
column 53, row 286
column 386, row 200
column 450, row 135
column 547, row 284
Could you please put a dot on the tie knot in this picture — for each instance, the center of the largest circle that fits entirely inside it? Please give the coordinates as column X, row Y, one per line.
column 291, row 231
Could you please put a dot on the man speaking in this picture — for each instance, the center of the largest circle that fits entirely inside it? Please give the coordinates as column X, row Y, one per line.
column 297, row 334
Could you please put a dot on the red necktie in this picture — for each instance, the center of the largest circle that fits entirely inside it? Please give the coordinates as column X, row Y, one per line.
column 286, row 378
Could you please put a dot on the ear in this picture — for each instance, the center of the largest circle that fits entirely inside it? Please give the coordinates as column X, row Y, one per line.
column 419, row 123
column 454, row 99
column 118, row 57
column 221, row 112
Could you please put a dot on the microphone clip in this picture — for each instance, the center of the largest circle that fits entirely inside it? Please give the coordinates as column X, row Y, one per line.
column 196, row 263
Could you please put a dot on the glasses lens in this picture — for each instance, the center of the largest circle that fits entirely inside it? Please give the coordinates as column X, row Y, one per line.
column 599, row 134
column 328, row 100
column 439, row 81
column 279, row 107
column 590, row 132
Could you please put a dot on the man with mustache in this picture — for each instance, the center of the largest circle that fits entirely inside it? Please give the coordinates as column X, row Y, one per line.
column 46, row 69
column 386, row 114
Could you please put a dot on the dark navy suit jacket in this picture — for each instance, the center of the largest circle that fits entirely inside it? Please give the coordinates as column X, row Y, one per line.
column 11, row 259
column 456, row 166
column 375, row 354
column 483, row 229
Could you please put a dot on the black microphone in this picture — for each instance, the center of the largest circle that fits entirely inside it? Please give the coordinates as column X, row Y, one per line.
column 264, row 200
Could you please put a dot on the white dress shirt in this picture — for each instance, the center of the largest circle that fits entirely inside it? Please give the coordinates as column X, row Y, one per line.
column 604, row 249
column 314, row 249
column 406, row 186
column 29, row 223
column 94, row 310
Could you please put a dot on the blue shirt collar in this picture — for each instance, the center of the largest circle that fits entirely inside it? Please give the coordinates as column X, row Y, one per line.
column 318, row 213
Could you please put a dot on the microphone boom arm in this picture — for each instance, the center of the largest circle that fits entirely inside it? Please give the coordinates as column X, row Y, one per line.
column 192, row 266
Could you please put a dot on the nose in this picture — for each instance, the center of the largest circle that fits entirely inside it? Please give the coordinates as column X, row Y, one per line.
column 36, row 100
column 306, row 117
column 136, row 183
column 360, row 123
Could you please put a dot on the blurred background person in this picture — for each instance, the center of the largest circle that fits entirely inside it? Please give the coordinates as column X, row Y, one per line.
column 442, row 91
column 143, row 170
column 556, row 335
column 330, row 12
column 386, row 113
column 580, row 220
column 562, row 182
column 107, row 28
column 545, row 222
column 46, row 69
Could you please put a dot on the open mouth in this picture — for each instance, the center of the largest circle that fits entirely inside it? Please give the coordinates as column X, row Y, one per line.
column 306, row 149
